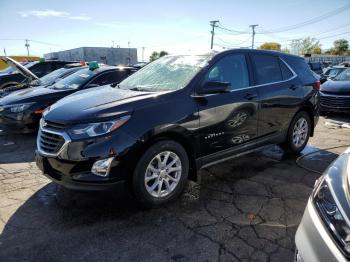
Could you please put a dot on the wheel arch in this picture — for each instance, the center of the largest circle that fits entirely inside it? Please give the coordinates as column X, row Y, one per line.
column 183, row 141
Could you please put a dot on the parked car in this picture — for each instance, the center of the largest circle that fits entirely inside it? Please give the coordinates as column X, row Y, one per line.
column 323, row 234
column 44, row 81
column 174, row 116
column 316, row 67
column 326, row 64
column 335, row 94
column 39, row 69
column 21, row 110
column 331, row 72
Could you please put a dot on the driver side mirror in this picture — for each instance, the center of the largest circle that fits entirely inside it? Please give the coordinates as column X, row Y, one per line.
column 214, row 87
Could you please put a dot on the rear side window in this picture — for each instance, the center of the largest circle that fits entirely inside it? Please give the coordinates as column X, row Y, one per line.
column 286, row 73
column 301, row 68
column 267, row 69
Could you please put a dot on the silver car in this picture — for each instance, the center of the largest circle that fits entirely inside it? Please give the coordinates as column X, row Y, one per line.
column 324, row 232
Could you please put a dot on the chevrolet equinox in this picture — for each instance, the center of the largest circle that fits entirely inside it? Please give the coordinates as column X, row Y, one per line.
column 153, row 130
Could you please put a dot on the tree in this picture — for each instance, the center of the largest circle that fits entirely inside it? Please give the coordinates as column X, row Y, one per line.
column 310, row 46
column 271, row 46
column 155, row 55
column 316, row 50
column 163, row 53
column 341, row 47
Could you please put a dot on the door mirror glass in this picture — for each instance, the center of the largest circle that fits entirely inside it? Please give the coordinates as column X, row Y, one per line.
column 214, row 87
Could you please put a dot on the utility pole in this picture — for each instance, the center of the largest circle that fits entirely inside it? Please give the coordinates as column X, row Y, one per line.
column 27, row 46
column 253, row 34
column 129, row 53
column 213, row 24
column 4, row 51
column 143, row 54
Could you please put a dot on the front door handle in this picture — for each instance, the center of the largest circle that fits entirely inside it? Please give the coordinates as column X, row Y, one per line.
column 250, row 96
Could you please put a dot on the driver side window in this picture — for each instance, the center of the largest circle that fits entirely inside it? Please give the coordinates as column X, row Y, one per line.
column 232, row 69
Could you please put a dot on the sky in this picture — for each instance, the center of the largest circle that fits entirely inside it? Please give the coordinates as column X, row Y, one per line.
column 174, row 26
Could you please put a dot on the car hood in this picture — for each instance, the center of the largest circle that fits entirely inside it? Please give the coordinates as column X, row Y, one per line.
column 20, row 68
column 336, row 87
column 96, row 104
column 33, row 94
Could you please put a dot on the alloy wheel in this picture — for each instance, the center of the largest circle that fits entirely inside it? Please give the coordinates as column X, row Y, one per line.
column 300, row 132
column 163, row 174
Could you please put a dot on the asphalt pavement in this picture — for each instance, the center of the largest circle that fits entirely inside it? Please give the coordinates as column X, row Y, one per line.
column 245, row 209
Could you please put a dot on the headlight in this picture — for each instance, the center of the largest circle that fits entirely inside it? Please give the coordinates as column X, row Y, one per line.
column 19, row 107
column 96, row 129
column 332, row 216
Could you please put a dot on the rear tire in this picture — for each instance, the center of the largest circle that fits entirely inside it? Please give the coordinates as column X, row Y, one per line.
column 298, row 133
column 161, row 174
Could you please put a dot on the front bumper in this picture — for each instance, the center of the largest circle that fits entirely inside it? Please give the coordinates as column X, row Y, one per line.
column 334, row 103
column 313, row 241
column 76, row 175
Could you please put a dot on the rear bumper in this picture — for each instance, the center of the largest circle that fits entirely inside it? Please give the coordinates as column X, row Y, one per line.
column 313, row 241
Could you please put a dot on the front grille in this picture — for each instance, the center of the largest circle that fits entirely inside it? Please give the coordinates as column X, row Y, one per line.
column 50, row 143
column 53, row 125
column 335, row 101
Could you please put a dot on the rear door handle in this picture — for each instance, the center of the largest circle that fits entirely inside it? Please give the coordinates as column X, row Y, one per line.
column 293, row 87
column 250, row 96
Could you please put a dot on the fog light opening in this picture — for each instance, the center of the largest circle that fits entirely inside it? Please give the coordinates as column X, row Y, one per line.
column 102, row 167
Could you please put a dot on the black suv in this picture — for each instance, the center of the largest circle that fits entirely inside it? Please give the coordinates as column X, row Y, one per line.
column 174, row 116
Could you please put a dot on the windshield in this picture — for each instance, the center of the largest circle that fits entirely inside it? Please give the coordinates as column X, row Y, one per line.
column 343, row 76
column 50, row 78
column 165, row 74
column 74, row 81
column 334, row 71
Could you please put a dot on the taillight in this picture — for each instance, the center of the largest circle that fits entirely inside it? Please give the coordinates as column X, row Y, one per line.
column 318, row 85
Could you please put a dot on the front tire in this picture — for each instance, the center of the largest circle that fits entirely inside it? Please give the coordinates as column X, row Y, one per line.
column 161, row 174
column 298, row 133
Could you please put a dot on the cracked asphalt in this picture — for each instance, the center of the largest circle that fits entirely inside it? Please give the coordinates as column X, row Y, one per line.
column 246, row 209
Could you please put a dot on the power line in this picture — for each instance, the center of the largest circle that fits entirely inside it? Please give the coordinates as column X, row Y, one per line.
column 236, row 32
column 311, row 21
column 31, row 40
column 233, row 45
column 334, row 35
